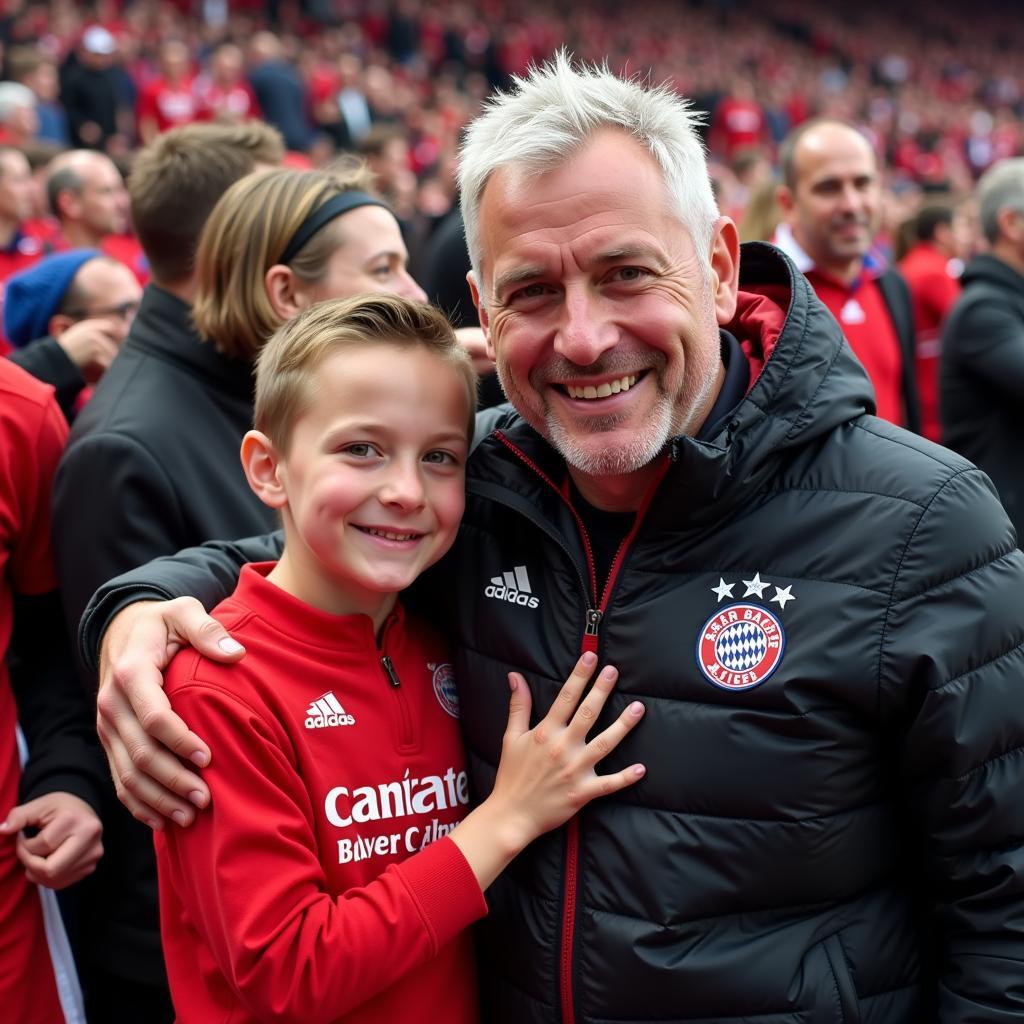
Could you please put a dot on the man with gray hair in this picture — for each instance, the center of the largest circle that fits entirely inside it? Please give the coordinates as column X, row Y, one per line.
column 820, row 611
column 982, row 370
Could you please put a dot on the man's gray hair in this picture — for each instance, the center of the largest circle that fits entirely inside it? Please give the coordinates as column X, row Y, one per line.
column 13, row 96
column 1000, row 188
column 551, row 113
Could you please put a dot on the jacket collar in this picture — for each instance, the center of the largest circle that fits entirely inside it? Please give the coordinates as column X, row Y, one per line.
column 163, row 328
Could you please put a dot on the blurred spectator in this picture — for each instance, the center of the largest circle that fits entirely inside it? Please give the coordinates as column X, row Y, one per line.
column 67, row 317
column 982, row 371
column 222, row 92
column 385, row 148
column 87, row 196
column 27, row 65
column 762, row 213
column 932, row 268
column 169, row 100
column 279, row 91
column 90, row 90
column 19, row 122
column 739, row 121
column 174, row 184
column 22, row 242
column 831, row 203
column 50, row 833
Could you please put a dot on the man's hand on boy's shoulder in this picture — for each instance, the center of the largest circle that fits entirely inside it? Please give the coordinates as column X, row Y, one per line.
column 145, row 741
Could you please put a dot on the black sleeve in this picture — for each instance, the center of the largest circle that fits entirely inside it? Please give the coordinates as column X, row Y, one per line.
column 54, row 711
column 208, row 572
column 48, row 362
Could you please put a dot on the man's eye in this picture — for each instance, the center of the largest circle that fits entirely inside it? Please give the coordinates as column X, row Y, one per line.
column 531, row 291
column 629, row 273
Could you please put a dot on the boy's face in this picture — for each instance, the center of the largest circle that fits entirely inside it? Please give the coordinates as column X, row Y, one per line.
column 374, row 477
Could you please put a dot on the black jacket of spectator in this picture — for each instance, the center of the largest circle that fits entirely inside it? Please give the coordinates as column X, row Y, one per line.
column 90, row 95
column 282, row 98
column 48, row 362
column 152, row 466
column 982, row 378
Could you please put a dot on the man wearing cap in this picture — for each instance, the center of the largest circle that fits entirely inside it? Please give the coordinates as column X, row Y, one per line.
column 89, row 90
column 67, row 317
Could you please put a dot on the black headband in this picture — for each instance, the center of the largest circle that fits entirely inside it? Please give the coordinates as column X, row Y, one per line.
column 322, row 215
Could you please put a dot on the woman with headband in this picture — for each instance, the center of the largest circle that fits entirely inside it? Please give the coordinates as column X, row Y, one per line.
column 279, row 241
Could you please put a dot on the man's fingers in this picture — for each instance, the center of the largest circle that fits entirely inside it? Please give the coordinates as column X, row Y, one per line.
column 608, row 739
column 75, row 858
column 188, row 623
column 17, row 819
column 147, row 799
column 564, row 705
column 519, row 704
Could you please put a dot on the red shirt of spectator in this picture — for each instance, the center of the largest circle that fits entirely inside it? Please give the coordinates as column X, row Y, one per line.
column 929, row 273
column 170, row 100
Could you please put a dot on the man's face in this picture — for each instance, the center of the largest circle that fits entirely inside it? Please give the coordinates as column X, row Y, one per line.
column 113, row 294
column 17, row 188
column 102, row 203
column 602, row 322
column 835, row 205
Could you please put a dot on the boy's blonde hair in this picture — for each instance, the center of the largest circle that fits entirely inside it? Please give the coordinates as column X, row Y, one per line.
column 246, row 234
column 286, row 364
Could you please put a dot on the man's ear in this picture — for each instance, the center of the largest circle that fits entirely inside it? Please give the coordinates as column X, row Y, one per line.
column 1010, row 223
column 282, row 289
column 261, row 463
column 785, row 199
column 725, row 269
column 481, row 312
column 58, row 324
column 68, row 204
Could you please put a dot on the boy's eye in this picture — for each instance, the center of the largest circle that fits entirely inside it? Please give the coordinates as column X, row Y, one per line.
column 361, row 450
column 441, row 458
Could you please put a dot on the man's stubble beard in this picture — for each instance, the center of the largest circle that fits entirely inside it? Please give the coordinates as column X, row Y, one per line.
column 659, row 427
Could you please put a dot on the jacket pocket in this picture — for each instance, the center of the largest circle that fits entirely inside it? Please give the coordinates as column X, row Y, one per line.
column 849, row 1004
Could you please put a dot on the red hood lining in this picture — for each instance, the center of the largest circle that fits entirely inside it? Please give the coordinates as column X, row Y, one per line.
column 758, row 323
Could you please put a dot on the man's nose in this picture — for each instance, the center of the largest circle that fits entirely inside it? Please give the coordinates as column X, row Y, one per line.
column 586, row 329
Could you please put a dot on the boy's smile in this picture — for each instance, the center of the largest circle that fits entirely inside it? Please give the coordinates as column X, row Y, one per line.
column 373, row 479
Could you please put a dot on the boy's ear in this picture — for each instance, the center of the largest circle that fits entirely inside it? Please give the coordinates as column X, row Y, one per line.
column 282, row 290
column 261, row 463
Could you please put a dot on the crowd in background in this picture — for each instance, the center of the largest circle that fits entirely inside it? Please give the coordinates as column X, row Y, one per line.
column 939, row 93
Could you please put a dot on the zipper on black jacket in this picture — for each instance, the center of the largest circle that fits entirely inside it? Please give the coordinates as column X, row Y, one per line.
column 589, row 643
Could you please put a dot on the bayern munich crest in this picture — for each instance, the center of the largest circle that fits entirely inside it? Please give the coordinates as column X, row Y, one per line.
column 444, row 688
column 740, row 646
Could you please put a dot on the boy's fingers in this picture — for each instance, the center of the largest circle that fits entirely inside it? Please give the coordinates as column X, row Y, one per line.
column 520, row 703
column 608, row 784
column 590, row 707
column 564, row 706
column 608, row 739
column 17, row 819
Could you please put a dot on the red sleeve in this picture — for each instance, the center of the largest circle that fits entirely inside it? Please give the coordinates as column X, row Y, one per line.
column 248, row 875
column 33, row 463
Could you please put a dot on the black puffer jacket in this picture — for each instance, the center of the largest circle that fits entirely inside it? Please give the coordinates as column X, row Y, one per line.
column 841, row 841
column 982, row 378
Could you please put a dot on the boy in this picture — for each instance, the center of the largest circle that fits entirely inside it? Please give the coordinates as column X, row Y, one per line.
column 333, row 877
